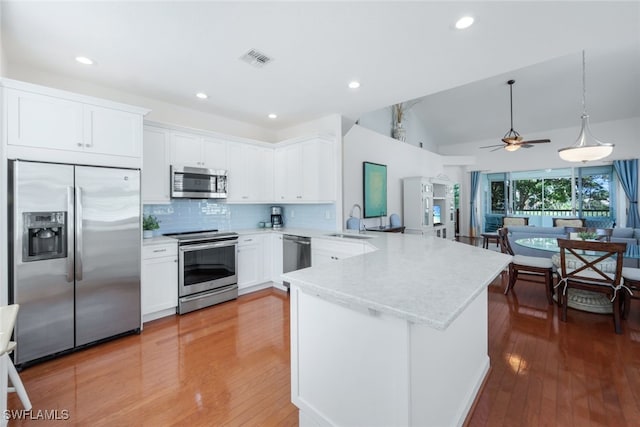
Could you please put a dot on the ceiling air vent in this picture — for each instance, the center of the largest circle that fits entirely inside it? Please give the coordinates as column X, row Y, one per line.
column 256, row 58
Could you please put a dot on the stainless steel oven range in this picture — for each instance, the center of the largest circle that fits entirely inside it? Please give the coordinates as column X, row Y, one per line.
column 207, row 268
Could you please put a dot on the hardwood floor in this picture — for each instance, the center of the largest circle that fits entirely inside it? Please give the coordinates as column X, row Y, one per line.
column 226, row 365
column 229, row 365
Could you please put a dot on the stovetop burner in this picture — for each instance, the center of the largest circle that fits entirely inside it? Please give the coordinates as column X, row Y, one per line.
column 203, row 235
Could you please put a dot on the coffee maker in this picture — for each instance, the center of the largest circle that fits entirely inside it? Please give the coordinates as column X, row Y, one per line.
column 276, row 217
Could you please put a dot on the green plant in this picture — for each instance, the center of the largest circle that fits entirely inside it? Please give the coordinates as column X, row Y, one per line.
column 587, row 235
column 150, row 222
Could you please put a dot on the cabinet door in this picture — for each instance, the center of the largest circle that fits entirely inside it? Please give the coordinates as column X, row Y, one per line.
column 319, row 257
column 262, row 179
column 237, row 183
column 114, row 132
column 159, row 284
column 186, row 150
column 250, row 267
column 325, row 169
column 288, row 174
column 155, row 166
column 277, row 258
column 44, row 121
column 214, row 153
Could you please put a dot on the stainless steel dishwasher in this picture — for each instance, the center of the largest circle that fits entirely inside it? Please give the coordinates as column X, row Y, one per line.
column 296, row 253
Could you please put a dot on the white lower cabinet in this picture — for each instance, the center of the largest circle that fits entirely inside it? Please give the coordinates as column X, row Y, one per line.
column 327, row 250
column 276, row 258
column 253, row 261
column 159, row 280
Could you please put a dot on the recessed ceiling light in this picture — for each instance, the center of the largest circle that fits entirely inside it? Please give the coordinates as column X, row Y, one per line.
column 202, row 95
column 84, row 60
column 464, row 22
column 354, row 85
column 273, row 116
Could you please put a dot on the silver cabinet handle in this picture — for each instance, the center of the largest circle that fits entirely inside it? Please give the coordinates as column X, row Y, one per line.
column 79, row 144
column 159, row 250
column 70, row 233
column 248, row 240
column 78, row 234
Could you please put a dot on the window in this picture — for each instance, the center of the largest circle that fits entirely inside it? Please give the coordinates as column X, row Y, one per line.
column 587, row 192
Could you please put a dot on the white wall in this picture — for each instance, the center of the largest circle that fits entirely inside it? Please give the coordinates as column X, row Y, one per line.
column 328, row 125
column 3, row 56
column 381, row 121
column 625, row 134
column 161, row 111
column 402, row 160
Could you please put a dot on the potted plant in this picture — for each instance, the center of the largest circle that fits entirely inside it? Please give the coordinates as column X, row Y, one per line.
column 149, row 223
column 587, row 235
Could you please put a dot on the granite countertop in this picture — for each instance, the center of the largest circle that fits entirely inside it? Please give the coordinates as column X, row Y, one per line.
column 424, row 280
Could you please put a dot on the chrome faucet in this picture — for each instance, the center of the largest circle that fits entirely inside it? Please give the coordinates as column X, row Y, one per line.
column 361, row 228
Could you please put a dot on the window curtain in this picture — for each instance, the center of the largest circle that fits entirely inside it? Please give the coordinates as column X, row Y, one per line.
column 627, row 171
column 475, row 181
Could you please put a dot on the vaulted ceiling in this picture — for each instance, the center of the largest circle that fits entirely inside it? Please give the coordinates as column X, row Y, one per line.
column 397, row 50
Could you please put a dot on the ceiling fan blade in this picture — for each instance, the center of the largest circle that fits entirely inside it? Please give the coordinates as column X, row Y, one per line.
column 536, row 141
column 496, row 149
column 491, row 146
column 526, row 145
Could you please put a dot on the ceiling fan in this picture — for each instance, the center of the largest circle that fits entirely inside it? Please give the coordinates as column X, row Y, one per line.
column 512, row 139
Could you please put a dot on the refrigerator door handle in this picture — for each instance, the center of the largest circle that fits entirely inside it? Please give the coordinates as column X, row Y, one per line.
column 78, row 224
column 70, row 232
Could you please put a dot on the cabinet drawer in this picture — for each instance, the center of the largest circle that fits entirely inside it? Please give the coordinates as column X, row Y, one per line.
column 345, row 248
column 162, row 250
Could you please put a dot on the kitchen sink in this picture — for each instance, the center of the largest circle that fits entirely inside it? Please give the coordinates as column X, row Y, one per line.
column 349, row 236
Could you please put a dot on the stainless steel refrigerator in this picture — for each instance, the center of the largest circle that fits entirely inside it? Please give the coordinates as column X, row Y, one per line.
column 74, row 255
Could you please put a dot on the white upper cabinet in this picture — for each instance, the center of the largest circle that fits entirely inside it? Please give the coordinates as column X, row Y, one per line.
column 44, row 121
column 52, row 125
column 198, row 151
column 155, row 165
column 250, row 178
column 305, row 172
column 109, row 131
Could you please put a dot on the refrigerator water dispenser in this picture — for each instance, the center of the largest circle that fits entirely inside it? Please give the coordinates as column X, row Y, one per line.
column 44, row 236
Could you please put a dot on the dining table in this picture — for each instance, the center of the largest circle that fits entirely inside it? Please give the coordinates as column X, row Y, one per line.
column 579, row 299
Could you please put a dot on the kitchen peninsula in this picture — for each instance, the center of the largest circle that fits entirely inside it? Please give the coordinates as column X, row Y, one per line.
column 397, row 336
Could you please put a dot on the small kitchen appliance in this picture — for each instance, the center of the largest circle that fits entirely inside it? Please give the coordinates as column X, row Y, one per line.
column 276, row 217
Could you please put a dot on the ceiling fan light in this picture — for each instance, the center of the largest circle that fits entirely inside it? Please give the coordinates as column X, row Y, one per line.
column 512, row 147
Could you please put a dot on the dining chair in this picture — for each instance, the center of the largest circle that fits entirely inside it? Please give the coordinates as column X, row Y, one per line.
column 569, row 222
column 590, row 275
column 631, row 279
column 531, row 267
column 515, row 220
column 602, row 234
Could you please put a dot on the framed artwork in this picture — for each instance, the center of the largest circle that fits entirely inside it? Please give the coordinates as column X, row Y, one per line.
column 374, row 179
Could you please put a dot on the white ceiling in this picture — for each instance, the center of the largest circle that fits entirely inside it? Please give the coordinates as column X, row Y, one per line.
column 397, row 50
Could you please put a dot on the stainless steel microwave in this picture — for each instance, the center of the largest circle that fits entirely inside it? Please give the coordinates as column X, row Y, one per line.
column 198, row 183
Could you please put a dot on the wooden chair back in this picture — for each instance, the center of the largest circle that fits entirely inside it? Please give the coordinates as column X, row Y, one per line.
column 603, row 234
column 515, row 220
column 590, row 273
column 503, row 239
column 568, row 222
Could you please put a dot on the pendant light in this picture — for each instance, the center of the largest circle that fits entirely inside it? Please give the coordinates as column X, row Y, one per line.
column 587, row 147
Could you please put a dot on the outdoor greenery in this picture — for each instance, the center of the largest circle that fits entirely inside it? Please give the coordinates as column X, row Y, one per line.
column 553, row 194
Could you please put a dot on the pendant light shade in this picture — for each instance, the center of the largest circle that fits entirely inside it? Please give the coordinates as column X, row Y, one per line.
column 587, row 147
column 511, row 147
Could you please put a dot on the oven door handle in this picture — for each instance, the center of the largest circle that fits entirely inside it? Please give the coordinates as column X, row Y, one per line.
column 191, row 248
